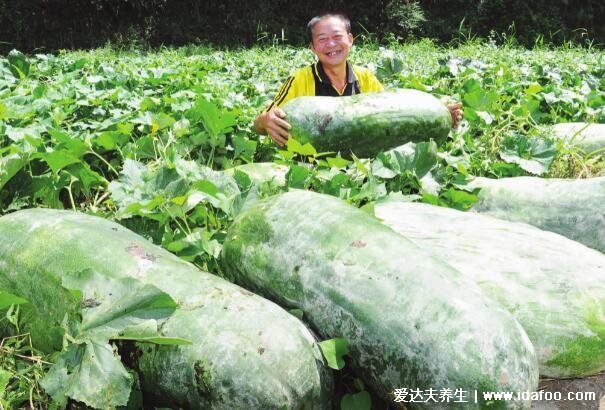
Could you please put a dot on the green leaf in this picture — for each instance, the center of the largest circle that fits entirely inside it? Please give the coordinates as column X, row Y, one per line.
column 478, row 98
column 529, row 107
column 214, row 120
column 502, row 169
column 534, row 155
column 4, row 112
column 129, row 188
column 161, row 121
column 5, row 377
column 206, row 186
column 294, row 146
column 457, row 199
column 111, row 305
column 199, row 242
column 370, row 190
column 431, row 199
column 124, row 128
column 18, row 64
column 68, row 142
column 297, row 176
column 333, row 351
column 389, row 66
column 8, row 299
column 148, row 332
column 110, row 139
column 140, row 190
column 39, row 91
column 57, row 160
column 86, row 176
column 88, row 370
column 91, row 373
column 379, row 170
column 418, row 158
column 337, row 162
column 9, row 166
column 245, row 148
column 361, row 166
column 144, row 147
column 193, row 172
column 244, row 182
column 357, row 401
column 46, row 188
column 595, row 99
column 31, row 133
column 533, row 88
column 78, row 64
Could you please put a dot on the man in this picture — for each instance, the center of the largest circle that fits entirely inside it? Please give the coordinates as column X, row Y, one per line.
column 332, row 75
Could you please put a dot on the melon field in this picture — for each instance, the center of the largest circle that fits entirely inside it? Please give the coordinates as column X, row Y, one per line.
column 207, row 267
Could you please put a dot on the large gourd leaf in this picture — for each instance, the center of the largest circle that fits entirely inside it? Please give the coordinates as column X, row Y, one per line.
column 90, row 373
column 18, row 64
column 96, row 308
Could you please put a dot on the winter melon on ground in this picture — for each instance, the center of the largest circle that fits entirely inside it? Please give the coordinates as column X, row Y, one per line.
column 246, row 351
column 553, row 286
column 412, row 321
column 574, row 208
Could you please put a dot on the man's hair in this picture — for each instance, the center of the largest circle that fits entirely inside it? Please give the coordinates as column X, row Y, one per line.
column 317, row 19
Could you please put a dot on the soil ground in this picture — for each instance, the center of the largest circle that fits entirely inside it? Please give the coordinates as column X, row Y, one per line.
column 594, row 384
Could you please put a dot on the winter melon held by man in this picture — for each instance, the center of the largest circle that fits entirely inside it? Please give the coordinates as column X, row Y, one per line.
column 332, row 75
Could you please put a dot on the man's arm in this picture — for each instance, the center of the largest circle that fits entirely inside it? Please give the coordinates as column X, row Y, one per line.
column 273, row 123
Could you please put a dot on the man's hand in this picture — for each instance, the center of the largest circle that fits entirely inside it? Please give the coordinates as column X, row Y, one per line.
column 273, row 124
column 456, row 112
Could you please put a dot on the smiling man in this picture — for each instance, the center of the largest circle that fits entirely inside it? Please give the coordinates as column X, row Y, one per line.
column 332, row 75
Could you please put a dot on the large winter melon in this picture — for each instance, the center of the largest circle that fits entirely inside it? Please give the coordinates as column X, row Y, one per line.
column 554, row 286
column 573, row 208
column 412, row 321
column 246, row 351
column 368, row 123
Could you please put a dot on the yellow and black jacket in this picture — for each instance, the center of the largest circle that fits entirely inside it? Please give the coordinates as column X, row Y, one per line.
column 313, row 80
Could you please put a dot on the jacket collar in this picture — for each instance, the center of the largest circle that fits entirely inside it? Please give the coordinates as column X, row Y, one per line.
column 319, row 71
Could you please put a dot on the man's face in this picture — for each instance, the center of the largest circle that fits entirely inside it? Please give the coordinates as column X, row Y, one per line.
column 331, row 42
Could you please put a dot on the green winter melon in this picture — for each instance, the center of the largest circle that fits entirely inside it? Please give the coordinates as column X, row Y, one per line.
column 553, row 286
column 411, row 320
column 246, row 351
column 573, row 208
column 368, row 123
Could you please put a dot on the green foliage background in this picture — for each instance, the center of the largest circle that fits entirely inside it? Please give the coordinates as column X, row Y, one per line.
column 49, row 25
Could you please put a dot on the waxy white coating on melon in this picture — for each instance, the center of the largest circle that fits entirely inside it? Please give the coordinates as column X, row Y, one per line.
column 368, row 123
column 587, row 136
column 554, row 286
column 247, row 352
column 574, row 208
column 412, row 321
